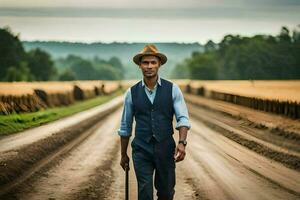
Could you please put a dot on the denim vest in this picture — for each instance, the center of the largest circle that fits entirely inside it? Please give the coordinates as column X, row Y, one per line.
column 153, row 120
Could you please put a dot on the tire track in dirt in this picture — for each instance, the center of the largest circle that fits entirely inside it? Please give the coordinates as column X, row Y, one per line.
column 220, row 176
column 286, row 156
column 66, row 177
column 280, row 175
column 19, row 159
column 99, row 183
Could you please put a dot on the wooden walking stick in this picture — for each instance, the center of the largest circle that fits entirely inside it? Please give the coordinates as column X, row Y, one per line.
column 126, row 182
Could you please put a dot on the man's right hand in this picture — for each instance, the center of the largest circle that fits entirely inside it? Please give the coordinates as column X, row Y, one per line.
column 124, row 162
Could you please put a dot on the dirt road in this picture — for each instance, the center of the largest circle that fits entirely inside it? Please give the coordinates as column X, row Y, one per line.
column 215, row 168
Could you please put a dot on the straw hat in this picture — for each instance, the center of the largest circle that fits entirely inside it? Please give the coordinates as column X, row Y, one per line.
column 150, row 50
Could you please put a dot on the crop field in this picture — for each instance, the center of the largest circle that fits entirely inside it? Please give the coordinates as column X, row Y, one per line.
column 280, row 97
column 33, row 96
column 275, row 90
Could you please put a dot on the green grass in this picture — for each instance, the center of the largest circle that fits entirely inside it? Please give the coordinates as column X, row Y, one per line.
column 15, row 122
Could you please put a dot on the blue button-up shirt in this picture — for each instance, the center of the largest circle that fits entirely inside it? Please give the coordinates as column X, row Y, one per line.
column 180, row 108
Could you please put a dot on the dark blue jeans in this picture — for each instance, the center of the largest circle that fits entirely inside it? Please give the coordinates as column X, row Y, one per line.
column 154, row 157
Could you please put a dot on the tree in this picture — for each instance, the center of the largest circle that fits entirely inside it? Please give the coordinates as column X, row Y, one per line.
column 41, row 65
column 116, row 63
column 202, row 66
column 84, row 70
column 113, row 65
column 284, row 35
column 210, row 46
column 67, row 75
column 257, row 57
column 11, row 52
column 181, row 71
column 21, row 73
column 296, row 35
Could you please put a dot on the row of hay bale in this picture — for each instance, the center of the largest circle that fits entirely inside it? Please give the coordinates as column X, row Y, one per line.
column 55, row 99
column 23, row 103
column 287, row 108
column 43, row 95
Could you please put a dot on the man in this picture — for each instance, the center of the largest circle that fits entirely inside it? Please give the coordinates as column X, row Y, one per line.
column 153, row 101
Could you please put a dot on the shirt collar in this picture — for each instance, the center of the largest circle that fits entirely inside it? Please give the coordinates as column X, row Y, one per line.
column 158, row 81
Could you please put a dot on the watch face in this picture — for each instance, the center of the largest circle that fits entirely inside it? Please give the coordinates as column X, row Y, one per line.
column 184, row 142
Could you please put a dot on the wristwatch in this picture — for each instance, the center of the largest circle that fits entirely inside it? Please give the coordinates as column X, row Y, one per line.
column 184, row 142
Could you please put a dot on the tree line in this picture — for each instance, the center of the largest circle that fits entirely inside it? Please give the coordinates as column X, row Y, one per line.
column 77, row 68
column 238, row 57
column 19, row 65
column 16, row 64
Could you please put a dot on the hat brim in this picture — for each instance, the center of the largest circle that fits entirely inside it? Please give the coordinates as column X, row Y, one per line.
column 162, row 57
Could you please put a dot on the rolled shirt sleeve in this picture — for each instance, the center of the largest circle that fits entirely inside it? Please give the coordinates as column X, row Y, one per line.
column 127, row 116
column 180, row 108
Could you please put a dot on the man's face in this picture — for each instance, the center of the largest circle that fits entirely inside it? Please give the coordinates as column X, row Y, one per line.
column 149, row 66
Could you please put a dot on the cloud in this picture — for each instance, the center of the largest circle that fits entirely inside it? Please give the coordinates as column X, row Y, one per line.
column 167, row 4
column 111, row 3
column 221, row 12
column 123, row 20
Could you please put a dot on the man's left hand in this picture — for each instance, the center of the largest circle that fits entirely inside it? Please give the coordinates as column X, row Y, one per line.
column 179, row 152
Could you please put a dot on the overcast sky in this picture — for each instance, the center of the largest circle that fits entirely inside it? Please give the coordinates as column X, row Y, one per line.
column 147, row 3
column 146, row 21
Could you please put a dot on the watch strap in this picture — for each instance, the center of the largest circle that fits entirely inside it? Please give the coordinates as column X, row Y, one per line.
column 184, row 142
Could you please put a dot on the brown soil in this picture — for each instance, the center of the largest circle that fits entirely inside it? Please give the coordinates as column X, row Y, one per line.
column 278, row 125
column 19, row 163
column 288, row 158
column 215, row 167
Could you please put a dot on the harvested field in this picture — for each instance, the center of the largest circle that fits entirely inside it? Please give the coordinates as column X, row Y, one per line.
column 33, row 96
column 280, row 97
column 286, row 90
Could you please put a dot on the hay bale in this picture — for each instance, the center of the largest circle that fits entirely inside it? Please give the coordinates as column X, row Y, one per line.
column 42, row 95
column 298, row 111
column 200, row 91
column 78, row 93
column 4, row 108
column 188, row 89
column 97, row 91
column 103, row 89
